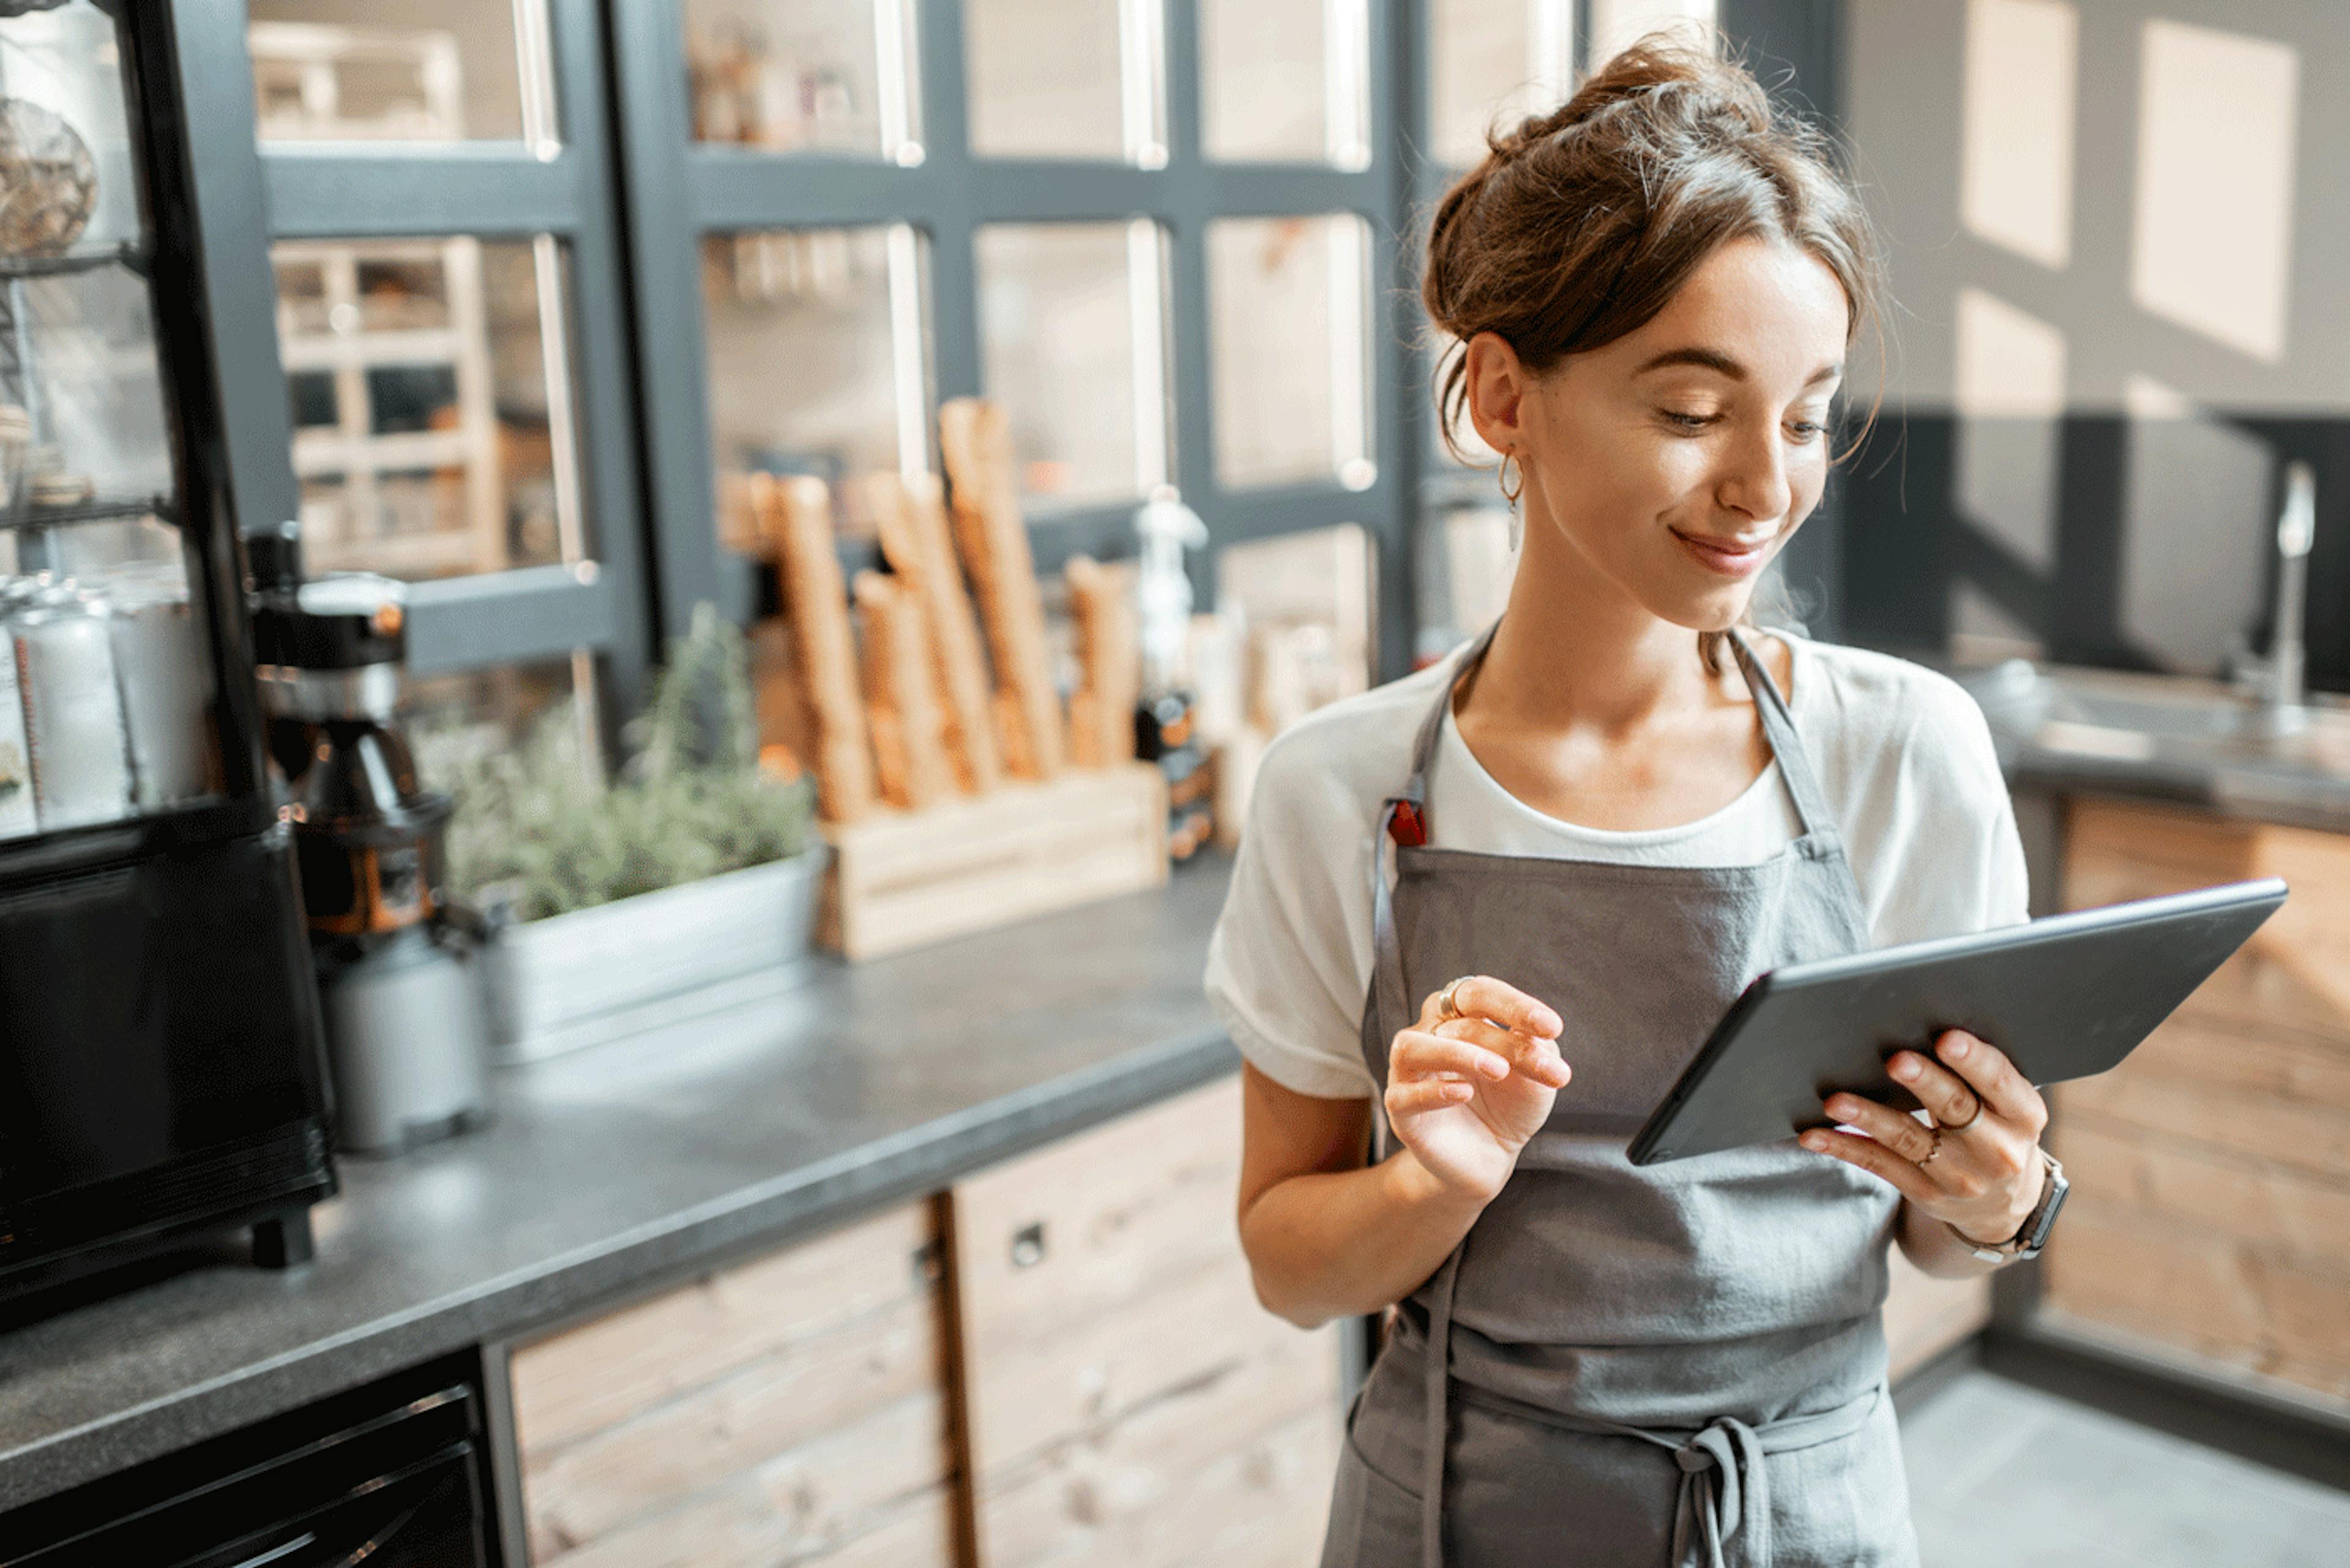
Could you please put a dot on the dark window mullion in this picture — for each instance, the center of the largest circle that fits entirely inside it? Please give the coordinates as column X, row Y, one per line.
column 1278, row 189
column 342, row 191
column 664, row 237
column 1190, row 387
column 951, row 224
column 511, row 617
column 729, row 189
column 604, row 382
column 1293, row 508
column 1400, row 84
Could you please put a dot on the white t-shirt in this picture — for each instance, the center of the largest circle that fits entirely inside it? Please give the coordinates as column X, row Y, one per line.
column 1901, row 753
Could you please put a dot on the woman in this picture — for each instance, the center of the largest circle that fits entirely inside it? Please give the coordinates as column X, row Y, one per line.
column 1608, row 828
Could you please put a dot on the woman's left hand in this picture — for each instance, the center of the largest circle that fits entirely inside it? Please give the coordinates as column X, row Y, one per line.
column 1984, row 1179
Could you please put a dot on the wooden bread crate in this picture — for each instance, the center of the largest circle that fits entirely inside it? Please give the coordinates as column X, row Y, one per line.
column 899, row 880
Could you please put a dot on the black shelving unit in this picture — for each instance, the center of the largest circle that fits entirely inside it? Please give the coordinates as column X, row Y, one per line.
column 162, row 1072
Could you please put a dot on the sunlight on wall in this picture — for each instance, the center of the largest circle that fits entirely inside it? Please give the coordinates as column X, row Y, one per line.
column 2015, row 161
column 2213, row 243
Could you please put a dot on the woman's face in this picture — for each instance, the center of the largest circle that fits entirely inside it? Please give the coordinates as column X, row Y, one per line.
column 1677, row 461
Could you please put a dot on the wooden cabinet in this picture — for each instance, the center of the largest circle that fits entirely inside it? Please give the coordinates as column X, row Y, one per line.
column 1128, row 1400
column 2210, row 1201
column 794, row 1410
column 1088, row 1351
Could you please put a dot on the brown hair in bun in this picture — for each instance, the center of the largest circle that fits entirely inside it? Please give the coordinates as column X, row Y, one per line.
column 1578, row 225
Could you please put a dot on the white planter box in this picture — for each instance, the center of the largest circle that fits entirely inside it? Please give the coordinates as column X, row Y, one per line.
column 596, row 974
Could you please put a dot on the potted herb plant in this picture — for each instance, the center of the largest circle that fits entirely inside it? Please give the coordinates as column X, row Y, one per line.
column 686, row 884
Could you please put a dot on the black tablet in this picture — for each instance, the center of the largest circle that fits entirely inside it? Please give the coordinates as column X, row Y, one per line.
column 2064, row 997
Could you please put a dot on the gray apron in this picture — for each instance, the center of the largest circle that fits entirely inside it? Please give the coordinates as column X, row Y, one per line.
column 1621, row 1365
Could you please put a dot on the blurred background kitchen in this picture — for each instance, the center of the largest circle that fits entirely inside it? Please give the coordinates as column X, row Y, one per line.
column 638, row 633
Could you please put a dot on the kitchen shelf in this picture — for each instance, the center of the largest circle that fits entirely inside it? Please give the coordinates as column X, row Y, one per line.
column 99, row 509
column 128, row 254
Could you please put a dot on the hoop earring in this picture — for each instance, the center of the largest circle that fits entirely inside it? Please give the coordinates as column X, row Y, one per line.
column 1503, row 479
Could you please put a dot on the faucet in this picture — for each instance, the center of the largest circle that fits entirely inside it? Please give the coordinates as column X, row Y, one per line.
column 2279, row 678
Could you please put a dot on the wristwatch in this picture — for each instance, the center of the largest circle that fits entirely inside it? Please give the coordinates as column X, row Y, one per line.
column 2027, row 1242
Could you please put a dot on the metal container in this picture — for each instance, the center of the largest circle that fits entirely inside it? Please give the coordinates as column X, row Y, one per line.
column 597, row 974
column 166, row 681
column 73, row 709
column 404, row 1033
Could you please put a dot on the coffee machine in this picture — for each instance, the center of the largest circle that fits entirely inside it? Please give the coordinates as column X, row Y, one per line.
column 405, row 1035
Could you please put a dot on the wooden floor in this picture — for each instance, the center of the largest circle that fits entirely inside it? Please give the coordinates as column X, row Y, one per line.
column 2003, row 1474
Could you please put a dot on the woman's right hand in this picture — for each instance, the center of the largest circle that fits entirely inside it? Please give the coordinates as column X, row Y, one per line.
column 1465, row 1094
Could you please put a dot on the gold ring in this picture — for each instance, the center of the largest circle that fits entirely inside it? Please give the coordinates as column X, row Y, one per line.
column 1446, row 1008
column 1938, row 1130
column 1942, row 1127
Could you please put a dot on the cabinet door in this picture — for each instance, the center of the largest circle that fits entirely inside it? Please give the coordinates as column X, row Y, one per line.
column 2210, row 1203
column 1128, row 1401
column 792, row 1408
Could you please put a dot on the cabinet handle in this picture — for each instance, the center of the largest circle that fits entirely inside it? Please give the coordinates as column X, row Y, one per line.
column 929, row 1262
column 1028, row 1245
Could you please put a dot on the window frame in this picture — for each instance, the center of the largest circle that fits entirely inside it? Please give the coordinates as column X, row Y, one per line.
column 253, row 194
column 681, row 190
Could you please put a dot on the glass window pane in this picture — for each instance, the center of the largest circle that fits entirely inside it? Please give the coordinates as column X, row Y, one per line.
column 1072, row 342
column 2212, row 240
column 453, row 717
column 1284, row 79
column 1065, row 78
column 1618, row 23
column 1306, row 598
column 400, row 70
column 793, row 74
column 819, row 345
column 1491, row 63
column 1289, row 348
column 432, row 403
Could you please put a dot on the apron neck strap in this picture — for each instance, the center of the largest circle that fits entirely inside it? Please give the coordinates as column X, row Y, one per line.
column 1779, row 728
column 1423, row 745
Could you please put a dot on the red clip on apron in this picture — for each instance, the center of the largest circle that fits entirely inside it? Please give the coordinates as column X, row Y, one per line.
column 1677, row 1364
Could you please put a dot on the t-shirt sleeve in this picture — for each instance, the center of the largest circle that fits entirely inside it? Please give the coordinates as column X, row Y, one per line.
column 1938, row 850
column 1287, row 962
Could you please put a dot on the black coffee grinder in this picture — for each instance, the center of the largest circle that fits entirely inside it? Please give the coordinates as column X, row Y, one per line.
column 406, row 1040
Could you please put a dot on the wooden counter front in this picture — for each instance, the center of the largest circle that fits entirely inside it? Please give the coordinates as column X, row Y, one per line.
column 2210, row 1203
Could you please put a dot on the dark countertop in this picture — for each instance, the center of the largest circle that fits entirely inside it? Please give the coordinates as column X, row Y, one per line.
column 631, row 1165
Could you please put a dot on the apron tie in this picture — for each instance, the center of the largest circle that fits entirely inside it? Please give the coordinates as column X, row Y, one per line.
column 1722, row 1482
column 1723, row 1485
column 1438, row 1358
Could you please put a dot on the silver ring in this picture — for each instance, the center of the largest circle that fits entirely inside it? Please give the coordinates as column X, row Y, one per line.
column 1942, row 1127
column 1446, row 1008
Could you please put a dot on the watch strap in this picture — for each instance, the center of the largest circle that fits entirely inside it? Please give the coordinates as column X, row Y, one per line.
column 2033, row 1235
